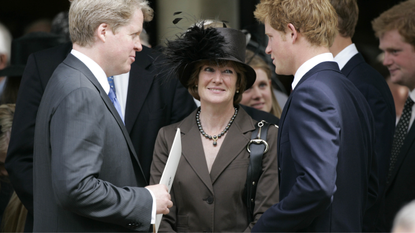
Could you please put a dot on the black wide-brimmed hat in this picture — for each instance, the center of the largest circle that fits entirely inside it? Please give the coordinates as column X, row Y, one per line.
column 201, row 43
column 23, row 46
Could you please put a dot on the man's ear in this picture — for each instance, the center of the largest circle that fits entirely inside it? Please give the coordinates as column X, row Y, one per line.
column 293, row 33
column 102, row 32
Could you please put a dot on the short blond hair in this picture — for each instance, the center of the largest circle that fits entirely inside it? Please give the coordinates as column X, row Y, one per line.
column 86, row 15
column 316, row 20
column 400, row 17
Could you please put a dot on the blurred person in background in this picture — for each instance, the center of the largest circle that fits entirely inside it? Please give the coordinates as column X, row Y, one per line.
column 405, row 219
column 260, row 95
column 22, row 47
column 6, row 190
column 378, row 95
column 14, row 216
column 395, row 29
column 5, row 51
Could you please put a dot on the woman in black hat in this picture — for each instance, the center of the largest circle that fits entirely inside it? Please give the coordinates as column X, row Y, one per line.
column 208, row 191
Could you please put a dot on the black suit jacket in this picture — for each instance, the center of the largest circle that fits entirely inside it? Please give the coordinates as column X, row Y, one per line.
column 401, row 189
column 377, row 93
column 153, row 101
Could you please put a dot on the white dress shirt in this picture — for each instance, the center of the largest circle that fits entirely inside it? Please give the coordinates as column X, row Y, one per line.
column 412, row 95
column 345, row 55
column 308, row 65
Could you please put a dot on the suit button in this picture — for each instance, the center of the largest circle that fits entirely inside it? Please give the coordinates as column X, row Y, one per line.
column 209, row 200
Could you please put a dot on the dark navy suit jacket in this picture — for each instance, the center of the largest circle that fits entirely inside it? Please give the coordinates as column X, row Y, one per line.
column 325, row 146
column 377, row 93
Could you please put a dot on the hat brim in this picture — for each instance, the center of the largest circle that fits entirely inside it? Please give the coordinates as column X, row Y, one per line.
column 13, row 70
column 250, row 74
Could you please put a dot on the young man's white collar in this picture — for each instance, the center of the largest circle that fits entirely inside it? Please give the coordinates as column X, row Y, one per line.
column 411, row 121
column 345, row 55
column 308, row 65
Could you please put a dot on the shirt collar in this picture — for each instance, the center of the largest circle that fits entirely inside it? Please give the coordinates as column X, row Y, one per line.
column 96, row 70
column 412, row 94
column 308, row 65
column 345, row 55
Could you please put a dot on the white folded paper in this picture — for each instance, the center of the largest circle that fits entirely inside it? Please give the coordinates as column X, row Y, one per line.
column 170, row 169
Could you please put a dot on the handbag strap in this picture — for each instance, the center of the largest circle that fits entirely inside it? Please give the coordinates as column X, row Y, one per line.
column 257, row 147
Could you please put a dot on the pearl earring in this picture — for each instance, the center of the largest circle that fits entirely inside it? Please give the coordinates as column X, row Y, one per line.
column 237, row 91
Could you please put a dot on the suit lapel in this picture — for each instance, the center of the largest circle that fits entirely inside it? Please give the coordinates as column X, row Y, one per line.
column 282, row 120
column 232, row 145
column 409, row 140
column 320, row 67
column 139, row 85
column 74, row 62
column 192, row 149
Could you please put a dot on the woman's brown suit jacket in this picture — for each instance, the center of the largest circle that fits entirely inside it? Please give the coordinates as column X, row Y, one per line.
column 214, row 202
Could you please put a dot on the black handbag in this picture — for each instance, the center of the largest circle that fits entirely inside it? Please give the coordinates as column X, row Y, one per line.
column 257, row 147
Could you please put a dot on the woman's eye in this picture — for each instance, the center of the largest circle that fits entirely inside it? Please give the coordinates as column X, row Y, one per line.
column 262, row 85
column 208, row 69
column 228, row 71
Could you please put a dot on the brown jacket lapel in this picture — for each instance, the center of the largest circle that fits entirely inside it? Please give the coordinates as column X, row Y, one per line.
column 231, row 147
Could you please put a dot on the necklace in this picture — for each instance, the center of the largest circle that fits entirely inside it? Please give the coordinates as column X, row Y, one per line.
column 214, row 137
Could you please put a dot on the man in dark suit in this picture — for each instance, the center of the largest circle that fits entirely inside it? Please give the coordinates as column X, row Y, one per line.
column 377, row 93
column 86, row 172
column 395, row 31
column 326, row 131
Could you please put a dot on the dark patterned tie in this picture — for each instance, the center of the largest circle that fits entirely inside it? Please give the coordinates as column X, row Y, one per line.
column 113, row 97
column 400, row 133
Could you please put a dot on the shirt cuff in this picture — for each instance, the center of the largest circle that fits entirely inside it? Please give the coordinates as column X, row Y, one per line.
column 153, row 209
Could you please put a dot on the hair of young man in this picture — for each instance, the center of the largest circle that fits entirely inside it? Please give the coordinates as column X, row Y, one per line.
column 400, row 17
column 240, row 82
column 86, row 15
column 316, row 20
column 348, row 14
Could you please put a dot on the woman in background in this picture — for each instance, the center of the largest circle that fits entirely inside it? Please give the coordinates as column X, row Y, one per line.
column 260, row 95
column 14, row 216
